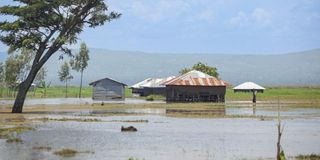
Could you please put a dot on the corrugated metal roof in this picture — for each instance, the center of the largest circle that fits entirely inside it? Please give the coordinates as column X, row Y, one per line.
column 248, row 86
column 196, row 78
column 152, row 82
column 106, row 79
column 138, row 85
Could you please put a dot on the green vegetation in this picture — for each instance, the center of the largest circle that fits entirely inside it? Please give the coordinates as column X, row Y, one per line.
column 65, row 75
column 154, row 97
column 310, row 94
column 43, row 148
column 131, row 121
column 6, row 132
column 128, row 92
column 69, row 119
column 34, row 27
column 283, row 93
column 57, row 92
column 13, row 140
column 212, row 71
column 80, row 62
column 66, row 152
column 308, row 157
column 70, row 152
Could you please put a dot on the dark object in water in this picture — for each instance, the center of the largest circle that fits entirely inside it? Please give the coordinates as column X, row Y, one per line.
column 128, row 129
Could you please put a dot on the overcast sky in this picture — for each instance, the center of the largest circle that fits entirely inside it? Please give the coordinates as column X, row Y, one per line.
column 209, row 26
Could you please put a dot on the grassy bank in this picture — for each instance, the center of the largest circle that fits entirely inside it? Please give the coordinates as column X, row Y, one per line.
column 56, row 92
column 271, row 93
column 283, row 93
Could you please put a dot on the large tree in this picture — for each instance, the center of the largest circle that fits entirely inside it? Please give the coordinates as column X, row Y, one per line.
column 2, row 78
column 212, row 71
column 45, row 27
column 80, row 62
column 65, row 75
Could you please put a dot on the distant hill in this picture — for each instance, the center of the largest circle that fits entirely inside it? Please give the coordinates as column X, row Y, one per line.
column 300, row 68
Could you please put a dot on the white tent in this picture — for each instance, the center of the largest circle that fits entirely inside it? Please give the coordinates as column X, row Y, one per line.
column 249, row 87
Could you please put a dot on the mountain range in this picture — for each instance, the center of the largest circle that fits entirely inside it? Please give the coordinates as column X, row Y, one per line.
column 288, row 69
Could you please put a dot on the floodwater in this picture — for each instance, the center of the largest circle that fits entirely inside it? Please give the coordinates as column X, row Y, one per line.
column 171, row 138
column 58, row 101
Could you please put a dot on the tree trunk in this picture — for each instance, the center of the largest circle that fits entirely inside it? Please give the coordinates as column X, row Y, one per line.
column 66, row 89
column 23, row 90
column 80, row 84
column 279, row 142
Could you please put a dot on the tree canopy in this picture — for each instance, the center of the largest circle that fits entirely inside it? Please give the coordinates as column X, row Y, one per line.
column 65, row 75
column 45, row 27
column 2, row 74
column 212, row 71
column 80, row 62
column 64, row 72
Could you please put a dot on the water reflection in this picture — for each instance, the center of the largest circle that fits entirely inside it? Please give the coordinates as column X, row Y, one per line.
column 168, row 138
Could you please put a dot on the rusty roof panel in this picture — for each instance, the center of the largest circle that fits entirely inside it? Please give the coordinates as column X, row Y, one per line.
column 196, row 78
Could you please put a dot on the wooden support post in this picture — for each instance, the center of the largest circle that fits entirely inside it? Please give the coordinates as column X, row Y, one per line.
column 254, row 93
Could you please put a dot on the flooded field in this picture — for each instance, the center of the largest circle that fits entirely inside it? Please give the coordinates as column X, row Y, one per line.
column 231, row 133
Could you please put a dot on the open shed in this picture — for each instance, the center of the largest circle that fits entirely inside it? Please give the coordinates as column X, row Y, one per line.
column 108, row 89
column 249, row 87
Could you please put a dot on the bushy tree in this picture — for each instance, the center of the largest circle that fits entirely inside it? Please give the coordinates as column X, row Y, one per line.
column 212, row 71
column 40, row 77
column 17, row 67
column 45, row 27
column 80, row 62
column 65, row 75
column 2, row 78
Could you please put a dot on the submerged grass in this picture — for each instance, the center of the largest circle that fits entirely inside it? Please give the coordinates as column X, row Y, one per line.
column 14, row 140
column 7, row 131
column 70, row 152
column 131, row 121
column 66, row 152
column 69, row 119
column 183, row 115
column 308, row 157
column 42, row 148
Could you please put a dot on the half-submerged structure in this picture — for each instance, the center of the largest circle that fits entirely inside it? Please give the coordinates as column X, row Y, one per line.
column 195, row 86
column 151, row 86
column 249, row 87
column 108, row 89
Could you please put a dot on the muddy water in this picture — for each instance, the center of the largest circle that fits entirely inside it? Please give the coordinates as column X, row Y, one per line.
column 172, row 138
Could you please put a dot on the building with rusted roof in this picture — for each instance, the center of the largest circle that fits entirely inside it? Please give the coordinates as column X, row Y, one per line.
column 195, row 86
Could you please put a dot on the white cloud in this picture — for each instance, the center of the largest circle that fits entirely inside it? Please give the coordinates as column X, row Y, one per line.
column 155, row 11
column 259, row 17
column 240, row 20
column 206, row 15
